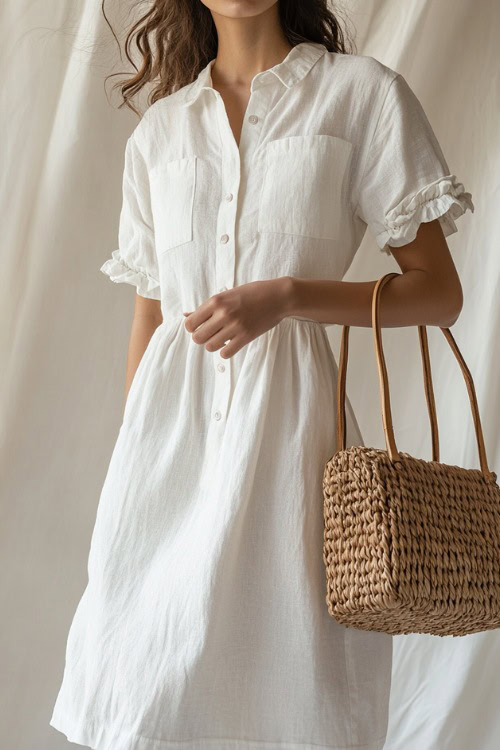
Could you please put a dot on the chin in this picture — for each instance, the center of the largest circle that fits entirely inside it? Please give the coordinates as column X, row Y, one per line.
column 239, row 8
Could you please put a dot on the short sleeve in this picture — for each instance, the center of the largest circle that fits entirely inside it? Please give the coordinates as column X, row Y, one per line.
column 405, row 178
column 135, row 261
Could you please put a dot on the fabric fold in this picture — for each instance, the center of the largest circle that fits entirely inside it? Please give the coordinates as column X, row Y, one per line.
column 444, row 199
column 120, row 271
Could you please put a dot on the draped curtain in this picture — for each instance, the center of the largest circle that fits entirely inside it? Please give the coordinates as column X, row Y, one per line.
column 64, row 334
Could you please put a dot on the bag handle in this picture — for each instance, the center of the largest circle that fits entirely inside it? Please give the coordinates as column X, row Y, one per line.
column 384, row 387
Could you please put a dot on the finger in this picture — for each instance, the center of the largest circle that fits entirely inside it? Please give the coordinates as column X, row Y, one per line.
column 197, row 317
column 232, row 347
column 227, row 334
column 207, row 331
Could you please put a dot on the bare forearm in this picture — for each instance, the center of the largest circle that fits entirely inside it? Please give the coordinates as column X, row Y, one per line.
column 410, row 299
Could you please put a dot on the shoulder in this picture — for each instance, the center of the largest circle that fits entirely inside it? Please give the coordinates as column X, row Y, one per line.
column 156, row 118
column 359, row 86
column 362, row 72
column 364, row 67
column 360, row 82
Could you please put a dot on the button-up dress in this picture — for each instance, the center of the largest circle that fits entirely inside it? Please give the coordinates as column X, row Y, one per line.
column 204, row 622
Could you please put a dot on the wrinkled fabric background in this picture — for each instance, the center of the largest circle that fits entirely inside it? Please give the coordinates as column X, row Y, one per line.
column 64, row 333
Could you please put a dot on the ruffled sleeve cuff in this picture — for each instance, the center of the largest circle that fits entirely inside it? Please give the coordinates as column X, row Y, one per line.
column 444, row 199
column 119, row 271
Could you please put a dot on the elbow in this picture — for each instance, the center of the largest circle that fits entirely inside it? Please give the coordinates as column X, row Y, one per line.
column 451, row 304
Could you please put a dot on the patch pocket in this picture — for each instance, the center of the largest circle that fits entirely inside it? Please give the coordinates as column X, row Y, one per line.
column 303, row 186
column 173, row 187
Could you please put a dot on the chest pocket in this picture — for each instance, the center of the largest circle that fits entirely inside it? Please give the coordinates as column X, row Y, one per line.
column 173, row 187
column 302, row 189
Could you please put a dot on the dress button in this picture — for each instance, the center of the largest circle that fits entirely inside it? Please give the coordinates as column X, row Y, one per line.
column 217, row 415
column 224, row 238
column 253, row 119
column 229, row 197
column 221, row 367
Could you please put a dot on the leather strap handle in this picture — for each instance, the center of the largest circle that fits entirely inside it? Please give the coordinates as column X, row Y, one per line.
column 384, row 387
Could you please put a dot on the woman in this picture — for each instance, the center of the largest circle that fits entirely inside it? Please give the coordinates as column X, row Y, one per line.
column 248, row 185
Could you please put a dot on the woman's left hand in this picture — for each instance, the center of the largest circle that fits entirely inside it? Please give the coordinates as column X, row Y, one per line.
column 240, row 314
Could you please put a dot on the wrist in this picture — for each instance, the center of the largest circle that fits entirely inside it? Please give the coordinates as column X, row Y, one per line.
column 287, row 290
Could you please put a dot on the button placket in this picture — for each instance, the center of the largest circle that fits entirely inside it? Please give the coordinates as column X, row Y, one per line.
column 225, row 251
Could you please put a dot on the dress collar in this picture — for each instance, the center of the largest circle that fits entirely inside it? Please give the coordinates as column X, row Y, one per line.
column 293, row 68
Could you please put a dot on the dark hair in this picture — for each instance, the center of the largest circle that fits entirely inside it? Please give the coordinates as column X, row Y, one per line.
column 177, row 38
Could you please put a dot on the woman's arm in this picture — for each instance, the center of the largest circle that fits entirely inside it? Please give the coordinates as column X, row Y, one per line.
column 428, row 292
column 147, row 318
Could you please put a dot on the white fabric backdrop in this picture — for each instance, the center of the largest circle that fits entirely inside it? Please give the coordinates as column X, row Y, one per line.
column 65, row 331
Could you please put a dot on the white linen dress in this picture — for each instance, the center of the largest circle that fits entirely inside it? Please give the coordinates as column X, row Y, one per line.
column 204, row 621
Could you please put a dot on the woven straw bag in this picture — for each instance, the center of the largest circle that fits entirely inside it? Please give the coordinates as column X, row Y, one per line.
column 410, row 546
